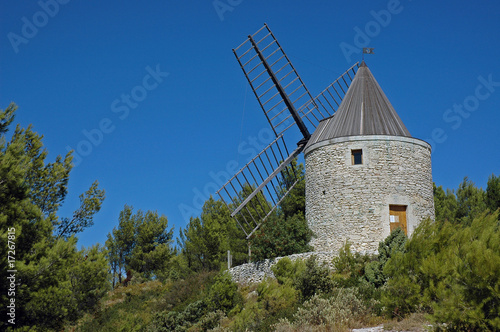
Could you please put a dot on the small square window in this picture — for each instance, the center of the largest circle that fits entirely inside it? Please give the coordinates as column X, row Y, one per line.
column 357, row 157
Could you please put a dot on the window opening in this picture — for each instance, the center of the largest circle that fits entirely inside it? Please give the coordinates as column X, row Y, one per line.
column 357, row 157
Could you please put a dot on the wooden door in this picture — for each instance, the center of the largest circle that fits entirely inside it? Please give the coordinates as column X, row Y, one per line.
column 397, row 217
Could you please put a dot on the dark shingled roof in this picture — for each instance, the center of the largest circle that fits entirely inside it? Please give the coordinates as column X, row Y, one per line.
column 365, row 110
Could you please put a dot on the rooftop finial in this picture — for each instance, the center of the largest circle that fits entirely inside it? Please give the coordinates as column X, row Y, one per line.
column 367, row 50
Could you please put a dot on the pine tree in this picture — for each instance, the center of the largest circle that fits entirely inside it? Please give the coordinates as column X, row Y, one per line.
column 470, row 202
column 286, row 232
column 445, row 204
column 207, row 238
column 493, row 193
column 142, row 243
column 31, row 192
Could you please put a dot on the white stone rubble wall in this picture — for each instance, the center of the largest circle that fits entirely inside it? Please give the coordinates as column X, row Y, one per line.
column 256, row 272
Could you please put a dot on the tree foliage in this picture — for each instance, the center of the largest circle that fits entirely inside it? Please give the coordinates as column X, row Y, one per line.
column 470, row 202
column 46, row 259
column 452, row 272
column 280, row 237
column 223, row 295
column 206, row 239
column 142, row 243
column 393, row 244
column 493, row 193
column 445, row 204
column 286, row 232
column 467, row 202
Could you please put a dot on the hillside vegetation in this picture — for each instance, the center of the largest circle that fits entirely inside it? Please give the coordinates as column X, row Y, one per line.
column 446, row 274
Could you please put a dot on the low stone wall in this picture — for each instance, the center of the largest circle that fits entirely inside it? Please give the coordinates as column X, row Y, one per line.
column 256, row 272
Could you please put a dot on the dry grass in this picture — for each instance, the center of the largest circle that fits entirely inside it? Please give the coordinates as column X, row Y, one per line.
column 416, row 322
column 119, row 294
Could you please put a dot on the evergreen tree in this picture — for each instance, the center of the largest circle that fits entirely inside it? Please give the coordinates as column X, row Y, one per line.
column 31, row 192
column 470, row 202
column 142, row 243
column 295, row 202
column 493, row 193
column 153, row 244
column 451, row 271
column 286, row 232
column 207, row 238
column 445, row 204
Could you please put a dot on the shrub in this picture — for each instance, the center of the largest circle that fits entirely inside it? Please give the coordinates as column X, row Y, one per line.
column 178, row 321
column 223, row 295
column 211, row 320
column 452, row 270
column 335, row 313
column 309, row 277
column 184, row 291
column 272, row 302
column 349, row 267
column 251, row 318
column 278, row 300
column 394, row 243
column 287, row 271
column 313, row 279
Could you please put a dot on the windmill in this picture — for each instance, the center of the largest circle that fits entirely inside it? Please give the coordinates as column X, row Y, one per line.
column 262, row 184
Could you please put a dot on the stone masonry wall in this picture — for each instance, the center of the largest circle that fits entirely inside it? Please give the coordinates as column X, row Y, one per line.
column 256, row 272
column 351, row 202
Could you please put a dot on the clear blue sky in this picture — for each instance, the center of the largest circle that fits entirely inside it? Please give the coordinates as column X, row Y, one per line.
column 152, row 99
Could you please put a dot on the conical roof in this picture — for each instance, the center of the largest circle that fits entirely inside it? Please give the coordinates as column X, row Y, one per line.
column 365, row 110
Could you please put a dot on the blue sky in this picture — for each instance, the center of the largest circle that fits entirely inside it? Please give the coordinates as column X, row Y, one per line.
column 150, row 96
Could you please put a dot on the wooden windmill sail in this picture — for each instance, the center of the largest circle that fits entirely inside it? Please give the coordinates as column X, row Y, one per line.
column 258, row 188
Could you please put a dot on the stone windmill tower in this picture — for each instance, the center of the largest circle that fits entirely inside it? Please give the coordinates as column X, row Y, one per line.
column 365, row 174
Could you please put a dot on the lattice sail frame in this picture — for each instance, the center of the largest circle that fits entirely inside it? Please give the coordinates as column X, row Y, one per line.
column 326, row 103
column 276, row 95
column 258, row 188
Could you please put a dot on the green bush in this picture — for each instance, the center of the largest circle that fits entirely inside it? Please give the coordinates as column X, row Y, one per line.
column 251, row 318
column 272, row 302
column 223, row 295
column 334, row 313
column 451, row 271
column 287, row 271
column 374, row 271
column 211, row 320
column 178, row 321
column 279, row 300
column 349, row 267
column 315, row 278
column 307, row 276
column 184, row 291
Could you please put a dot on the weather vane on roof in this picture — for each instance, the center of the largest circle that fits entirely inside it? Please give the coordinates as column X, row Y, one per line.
column 368, row 50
